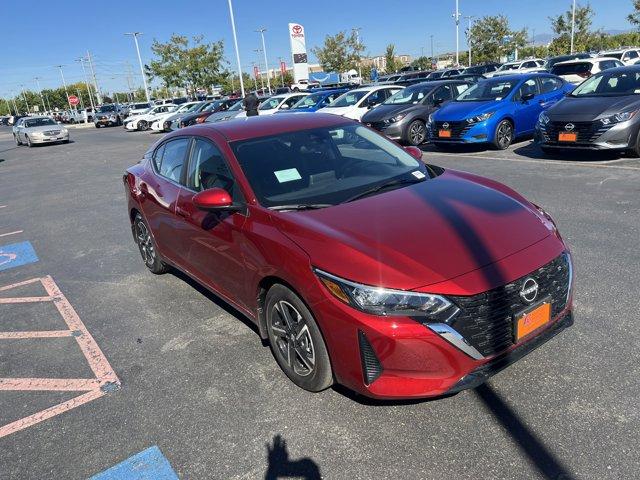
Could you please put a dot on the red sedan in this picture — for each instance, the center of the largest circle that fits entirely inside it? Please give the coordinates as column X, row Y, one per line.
column 358, row 263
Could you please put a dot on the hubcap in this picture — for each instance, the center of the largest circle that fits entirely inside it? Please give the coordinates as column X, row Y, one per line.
column 145, row 244
column 504, row 134
column 291, row 337
column 416, row 133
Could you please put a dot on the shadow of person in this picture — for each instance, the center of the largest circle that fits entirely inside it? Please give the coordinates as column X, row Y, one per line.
column 281, row 467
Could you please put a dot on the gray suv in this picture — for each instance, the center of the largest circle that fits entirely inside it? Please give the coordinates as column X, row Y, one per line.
column 109, row 115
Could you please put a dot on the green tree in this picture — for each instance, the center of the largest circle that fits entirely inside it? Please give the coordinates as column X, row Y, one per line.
column 423, row 63
column 390, row 59
column 340, row 52
column 186, row 64
column 634, row 18
column 493, row 38
column 583, row 36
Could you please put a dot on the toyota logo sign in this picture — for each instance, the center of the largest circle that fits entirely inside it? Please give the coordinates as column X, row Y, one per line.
column 296, row 31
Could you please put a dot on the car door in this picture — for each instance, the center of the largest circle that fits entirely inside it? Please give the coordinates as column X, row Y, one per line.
column 212, row 241
column 527, row 111
column 160, row 185
column 551, row 91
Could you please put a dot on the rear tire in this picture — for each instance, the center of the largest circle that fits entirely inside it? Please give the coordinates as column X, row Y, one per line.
column 143, row 125
column 296, row 341
column 503, row 136
column 147, row 246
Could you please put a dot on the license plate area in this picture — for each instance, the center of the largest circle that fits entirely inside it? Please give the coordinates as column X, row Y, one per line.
column 567, row 137
column 532, row 319
column 444, row 133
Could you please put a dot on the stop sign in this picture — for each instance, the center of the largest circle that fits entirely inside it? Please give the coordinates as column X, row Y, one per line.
column 73, row 100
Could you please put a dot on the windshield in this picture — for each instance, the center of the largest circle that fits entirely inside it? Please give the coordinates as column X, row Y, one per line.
column 487, row 90
column 39, row 122
column 236, row 106
column 509, row 66
column 309, row 101
column 107, row 108
column 433, row 75
column 348, row 99
column 610, row 84
column 139, row 106
column 271, row 103
column 571, row 68
column 408, row 95
column 213, row 106
column 323, row 166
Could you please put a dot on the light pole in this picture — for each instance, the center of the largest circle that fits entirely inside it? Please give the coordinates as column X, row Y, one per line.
column 255, row 80
column 357, row 31
column 37, row 79
column 144, row 77
column 456, row 17
column 258, row 50
column 264, row 51
column 431, row 37
column 65, row 87
column 280, row 68
column 573, row 24
column 24, row 97
column 95, row 79
column 235, row 43
column 469, row 18
column 86, row 84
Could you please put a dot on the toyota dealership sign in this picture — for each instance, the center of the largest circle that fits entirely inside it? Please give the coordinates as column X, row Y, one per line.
column 298, row 52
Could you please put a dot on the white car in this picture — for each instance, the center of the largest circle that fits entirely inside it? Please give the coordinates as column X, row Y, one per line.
column 628, row 56
column 355, row 103
column 276, row 103
column 138, row 108
column 158, row 123
column 520, row 66
column 575, row 71
column 303, row 84
column 144, row 120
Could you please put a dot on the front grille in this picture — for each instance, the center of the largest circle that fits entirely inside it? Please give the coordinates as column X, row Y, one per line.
column 486, row 320
column 458, row 129
column 51, row 133
column 587, row 132
column 371, row 368
column 376, row 125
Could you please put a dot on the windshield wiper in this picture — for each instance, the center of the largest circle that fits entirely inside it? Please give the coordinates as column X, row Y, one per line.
column 301, row 206
column 384, row 186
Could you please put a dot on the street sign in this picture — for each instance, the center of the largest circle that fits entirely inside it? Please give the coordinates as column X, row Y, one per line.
column 73, row 100
column 283, row 67
column 256, row 72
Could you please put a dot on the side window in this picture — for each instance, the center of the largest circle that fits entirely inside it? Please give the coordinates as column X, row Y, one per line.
column 633, row 54
column 173, row 157
column 157, row 157
column 529, row 65
column 208, row 169
column 549, row 84
column 528, row 87
column 375, row 98
column 442, row 94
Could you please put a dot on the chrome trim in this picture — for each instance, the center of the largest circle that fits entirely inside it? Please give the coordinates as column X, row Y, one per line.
column 454, row 338
column 570, row 261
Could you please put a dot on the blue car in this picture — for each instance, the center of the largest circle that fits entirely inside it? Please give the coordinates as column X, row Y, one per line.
column 315, row 101
column 497, row 110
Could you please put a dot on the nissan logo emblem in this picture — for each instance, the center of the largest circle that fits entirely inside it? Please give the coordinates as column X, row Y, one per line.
column 569, row 126
column 529, row 290
column 445, row 125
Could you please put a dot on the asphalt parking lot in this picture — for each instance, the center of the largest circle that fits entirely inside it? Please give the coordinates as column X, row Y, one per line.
column 188, row 374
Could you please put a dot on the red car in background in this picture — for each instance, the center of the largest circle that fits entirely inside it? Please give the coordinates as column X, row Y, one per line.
column 359, row 263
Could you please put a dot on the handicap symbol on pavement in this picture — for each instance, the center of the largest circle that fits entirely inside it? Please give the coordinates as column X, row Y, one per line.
column 16, row 254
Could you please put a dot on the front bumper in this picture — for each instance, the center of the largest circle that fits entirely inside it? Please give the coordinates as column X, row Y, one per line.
column 131, row 126
column 461, row 132
column 394, row 131
column 49, row 139
column 105, row 122
column 590, row 135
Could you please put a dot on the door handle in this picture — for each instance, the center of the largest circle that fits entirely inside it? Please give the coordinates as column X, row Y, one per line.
column 182, row 212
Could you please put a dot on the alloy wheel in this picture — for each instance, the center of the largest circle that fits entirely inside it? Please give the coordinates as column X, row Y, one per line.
column 142, row 125
column 504, row 135
column 291, row 336
column 145, row 244
column 417, row 133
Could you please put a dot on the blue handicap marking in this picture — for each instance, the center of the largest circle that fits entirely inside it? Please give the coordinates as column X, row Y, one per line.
column 16, row 254
column 149, row 464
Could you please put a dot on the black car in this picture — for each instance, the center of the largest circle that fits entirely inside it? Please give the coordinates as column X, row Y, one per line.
column 438, row 74
column 600, row 114
column 408, row 78
column 551, row 61
column 469, row 77
column 481, row 69
column 403, row 116
column 211, row 107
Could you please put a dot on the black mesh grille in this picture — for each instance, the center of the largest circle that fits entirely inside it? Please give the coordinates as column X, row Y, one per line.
column 376, row 125
column 458, row 129
column 371, row 368
column 587, row 132
column 486, row 320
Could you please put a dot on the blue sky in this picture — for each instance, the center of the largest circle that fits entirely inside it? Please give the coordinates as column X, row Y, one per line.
column 59, row 32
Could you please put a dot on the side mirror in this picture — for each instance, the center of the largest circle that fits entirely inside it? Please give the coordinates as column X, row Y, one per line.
column 214, row 199
column 528, row 96
column 284, row 107
column 438, row 101
column 415, row 152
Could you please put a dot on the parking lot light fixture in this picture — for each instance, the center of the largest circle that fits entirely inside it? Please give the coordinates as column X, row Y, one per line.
column 573, row 24
column 24, row 96
column 264, row 51
column 144, row 78
column 66, row 92
column 44, row 107
column 235, row 43
column 456, row 17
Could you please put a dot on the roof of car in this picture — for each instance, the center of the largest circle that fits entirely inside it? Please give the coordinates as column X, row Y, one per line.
column 261, row 126
column 520, row 76
column 586, row 60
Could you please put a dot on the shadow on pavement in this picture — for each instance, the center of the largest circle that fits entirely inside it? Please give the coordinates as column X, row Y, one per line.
column 544, row 460
column 280, row 466
column 532, row 150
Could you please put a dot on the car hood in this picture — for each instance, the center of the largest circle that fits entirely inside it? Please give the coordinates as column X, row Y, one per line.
column 453, row 111
column 384, row 112
column 590, row 108
column 106, row 114
column 337, row 110
column 417, row 235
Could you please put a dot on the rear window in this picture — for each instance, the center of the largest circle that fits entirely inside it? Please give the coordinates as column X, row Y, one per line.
column 571, row 68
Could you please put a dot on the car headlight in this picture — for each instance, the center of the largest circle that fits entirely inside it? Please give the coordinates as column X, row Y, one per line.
column 618, row 117
column 480, row 118
column 397, row 118
column 387, row 302
column 64, row 131
column 543, row 119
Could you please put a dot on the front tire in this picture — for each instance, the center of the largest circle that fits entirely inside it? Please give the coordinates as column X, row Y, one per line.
column 147, row 247
column 29, row 144
column 503, row 136
column 18, row 142
column 416, row 133
column 143, row 125
column 296, row 341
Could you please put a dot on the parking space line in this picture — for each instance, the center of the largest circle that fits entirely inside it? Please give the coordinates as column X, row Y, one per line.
column 26, row 300
column 540, row 161
column 10, row 233
column 38, row 334
column 49, row 384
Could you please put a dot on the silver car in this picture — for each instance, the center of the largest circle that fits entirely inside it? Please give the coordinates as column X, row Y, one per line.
column 38, row 130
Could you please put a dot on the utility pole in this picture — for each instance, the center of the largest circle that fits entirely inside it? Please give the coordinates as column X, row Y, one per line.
column 37, row 79
column 469, row 18
column 573, row 24
column 357, row 31
column 144, row 77
column 235, row 43
column 65, row 87
column 81, row 99
column 456, row 17
column 8, row 105
column 86, row 83
column 264, row 51
column 258, row 50
column 131, row 95
column 24, row 97
column 95, row 80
